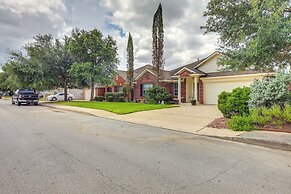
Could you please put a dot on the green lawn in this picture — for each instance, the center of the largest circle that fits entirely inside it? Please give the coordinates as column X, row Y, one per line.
column 116, row 107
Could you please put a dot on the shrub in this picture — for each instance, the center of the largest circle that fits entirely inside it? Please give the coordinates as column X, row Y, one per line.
column 156, row 94
column 287, row 113
column 99, row 98
column 235, row 102
column 114, row 95
column 274, row 115
column 241, row 123
column 271, row 91
column 121, row 99
column 110, row 99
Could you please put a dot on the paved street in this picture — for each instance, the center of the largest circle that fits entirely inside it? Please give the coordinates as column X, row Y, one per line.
column 43, row 150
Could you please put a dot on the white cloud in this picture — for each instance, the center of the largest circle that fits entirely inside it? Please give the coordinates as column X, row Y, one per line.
column 20, row 20
column 184, row 41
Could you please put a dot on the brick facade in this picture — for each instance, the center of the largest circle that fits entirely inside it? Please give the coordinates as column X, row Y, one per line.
column 201, row 95
column 147, row 78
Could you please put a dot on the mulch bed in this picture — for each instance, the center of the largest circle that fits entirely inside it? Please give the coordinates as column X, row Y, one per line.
column 220, row 123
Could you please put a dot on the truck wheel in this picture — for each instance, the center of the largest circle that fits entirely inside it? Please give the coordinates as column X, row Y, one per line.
column 70, row 99
column 36, row 103
column 12, row 102
column 54, row 99
column 18, row 103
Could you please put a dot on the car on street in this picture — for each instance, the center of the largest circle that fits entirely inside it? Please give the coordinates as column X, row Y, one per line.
column 60, row 97
column 25, row 96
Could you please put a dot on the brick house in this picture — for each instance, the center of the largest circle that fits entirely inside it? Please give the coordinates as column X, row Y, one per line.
column 202, row 80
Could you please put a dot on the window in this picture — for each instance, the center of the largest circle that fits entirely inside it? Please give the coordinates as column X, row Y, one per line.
column 119, row 89
column 144, row 87
column 175, row 89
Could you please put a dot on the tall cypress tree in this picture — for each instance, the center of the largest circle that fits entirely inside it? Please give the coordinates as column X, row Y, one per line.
column 130, row 65
column 158, row 43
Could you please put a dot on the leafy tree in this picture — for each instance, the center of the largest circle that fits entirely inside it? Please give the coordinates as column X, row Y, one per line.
column 61, row 65
column 253, row 34
column 130, row 65
column 158, row 43
column 96, row 58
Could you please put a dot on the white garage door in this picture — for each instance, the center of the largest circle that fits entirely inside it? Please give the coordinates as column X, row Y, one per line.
column 213, row 89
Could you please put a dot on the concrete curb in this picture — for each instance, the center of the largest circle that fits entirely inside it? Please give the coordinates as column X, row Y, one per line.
column 258, row 142
column 252, row 141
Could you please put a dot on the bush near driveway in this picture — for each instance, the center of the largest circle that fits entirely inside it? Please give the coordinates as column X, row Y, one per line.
column 156, row 95
column 274, row 115
column 235, row 102
column 270, row 91
column 241, row 123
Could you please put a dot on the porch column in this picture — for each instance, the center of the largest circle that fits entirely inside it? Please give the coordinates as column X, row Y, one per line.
column 195, row 88
column 179, row 89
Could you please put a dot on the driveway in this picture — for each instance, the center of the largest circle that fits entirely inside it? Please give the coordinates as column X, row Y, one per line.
column 185, row 118
column 43, row 150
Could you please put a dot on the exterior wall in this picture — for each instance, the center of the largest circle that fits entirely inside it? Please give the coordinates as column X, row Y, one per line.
column 169, row 86
column 183, row 90
column 212, row 87
column 119, row 81
column 147, row 78
column 100, row 91
column 210, row 65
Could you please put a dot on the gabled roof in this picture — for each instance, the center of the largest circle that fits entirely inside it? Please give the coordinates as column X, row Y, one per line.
column 141, row 70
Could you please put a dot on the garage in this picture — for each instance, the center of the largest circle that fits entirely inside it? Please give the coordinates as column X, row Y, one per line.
column 213, row 86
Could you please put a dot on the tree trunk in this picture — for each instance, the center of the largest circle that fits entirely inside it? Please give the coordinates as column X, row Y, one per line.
column 92, row 90
column 65, row 90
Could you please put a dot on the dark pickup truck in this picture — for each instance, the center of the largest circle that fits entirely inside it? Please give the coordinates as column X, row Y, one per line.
column 25, row 96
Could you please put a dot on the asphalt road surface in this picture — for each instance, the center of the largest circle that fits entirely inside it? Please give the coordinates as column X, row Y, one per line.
column 44, row 150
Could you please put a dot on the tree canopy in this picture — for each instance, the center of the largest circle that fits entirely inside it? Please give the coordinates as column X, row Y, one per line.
column 130, row 64
column 253, row 34
column 158, row 43
column 96, row 58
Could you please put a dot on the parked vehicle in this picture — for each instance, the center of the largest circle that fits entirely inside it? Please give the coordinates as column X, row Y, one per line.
column 60, row 97
column 25, row 96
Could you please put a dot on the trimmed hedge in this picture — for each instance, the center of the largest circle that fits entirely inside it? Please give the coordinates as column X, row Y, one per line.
column 121, row 99
column 115, row 96
column 156, row 95
column 235, row 102
column 99, row 98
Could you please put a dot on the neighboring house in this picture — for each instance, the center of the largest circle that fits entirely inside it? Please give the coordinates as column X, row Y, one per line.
column 201, row 80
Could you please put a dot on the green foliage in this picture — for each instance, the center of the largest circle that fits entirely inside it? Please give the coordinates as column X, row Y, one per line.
column 270, row 91
column 241, row 123
column 156, row 95
column 158, row 43
column 115, row 96
column 96, row 58
column 253, row 34
column 110, row 99
column 235, row 102
column 274, row 115
column 99, row 98
column 130, row 65
column 121, row 99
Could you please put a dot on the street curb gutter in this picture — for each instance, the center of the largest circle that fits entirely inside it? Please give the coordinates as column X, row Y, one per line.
column 258, row 142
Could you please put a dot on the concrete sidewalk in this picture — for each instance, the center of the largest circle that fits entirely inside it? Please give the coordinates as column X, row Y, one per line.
column 189, row 119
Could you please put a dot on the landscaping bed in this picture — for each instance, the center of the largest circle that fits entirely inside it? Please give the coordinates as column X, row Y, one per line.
column 220, row 123
column 116, row 107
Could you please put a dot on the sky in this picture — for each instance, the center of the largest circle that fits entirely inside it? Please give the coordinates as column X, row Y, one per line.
column 184, row 41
